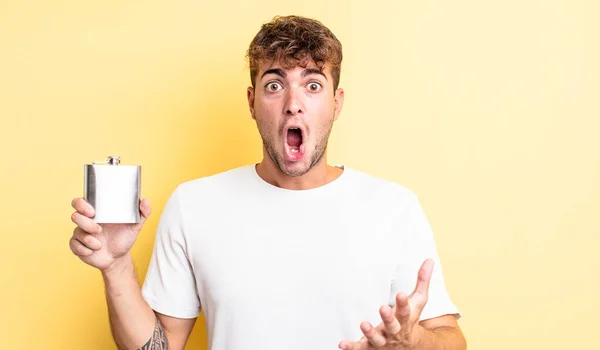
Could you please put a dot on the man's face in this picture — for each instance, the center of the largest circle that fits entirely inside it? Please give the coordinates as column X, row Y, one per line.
column 294, row 110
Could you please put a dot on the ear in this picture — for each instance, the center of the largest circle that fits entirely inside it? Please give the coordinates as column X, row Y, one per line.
column 338, row 103
column 250, row 95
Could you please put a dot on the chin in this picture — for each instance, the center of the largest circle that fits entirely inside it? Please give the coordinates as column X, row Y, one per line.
column 294, row 168
column 286, row 163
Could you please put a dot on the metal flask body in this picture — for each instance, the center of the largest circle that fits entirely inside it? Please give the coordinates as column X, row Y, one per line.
column 114, row 191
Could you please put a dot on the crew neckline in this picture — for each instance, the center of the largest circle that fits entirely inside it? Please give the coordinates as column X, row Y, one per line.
column 328, row 186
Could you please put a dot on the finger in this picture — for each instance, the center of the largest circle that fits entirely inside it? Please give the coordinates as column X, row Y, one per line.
column 402, row 312
column 421, row 293
column 78, row 248
column 85, row 223
column 374, row 335
column 362, row 344
column 347, row 345
column 145, row 208
column 391, row 324
column 88, row 240
column 83, row 207
column 423, row 278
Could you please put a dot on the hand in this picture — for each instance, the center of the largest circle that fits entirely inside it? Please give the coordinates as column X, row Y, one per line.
column 400, row 329
column 101, row 245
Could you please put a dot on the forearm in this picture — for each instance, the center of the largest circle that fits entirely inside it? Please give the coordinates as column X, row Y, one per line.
column 441, row 338
column 133, row 323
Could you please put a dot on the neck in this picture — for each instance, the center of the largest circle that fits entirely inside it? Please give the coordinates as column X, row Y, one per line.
column 320, row 174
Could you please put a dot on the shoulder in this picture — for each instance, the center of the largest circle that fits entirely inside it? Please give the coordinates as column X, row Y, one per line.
column 369, row 185
column 220, row 184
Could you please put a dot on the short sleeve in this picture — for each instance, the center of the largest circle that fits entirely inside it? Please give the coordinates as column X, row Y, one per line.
column 419, row 245
column 170, row 285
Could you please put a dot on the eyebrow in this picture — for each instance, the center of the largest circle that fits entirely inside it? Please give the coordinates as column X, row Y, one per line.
column 305, row 73
column 276, row 71
column 310, row 71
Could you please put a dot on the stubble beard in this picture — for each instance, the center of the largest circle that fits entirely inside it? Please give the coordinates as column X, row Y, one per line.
column 278, row 157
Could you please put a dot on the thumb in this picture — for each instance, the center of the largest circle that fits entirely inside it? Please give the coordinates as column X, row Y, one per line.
column 145, row 210
column 421, row 291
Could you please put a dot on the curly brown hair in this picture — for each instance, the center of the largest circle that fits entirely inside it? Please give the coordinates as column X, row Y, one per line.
column 295, row 41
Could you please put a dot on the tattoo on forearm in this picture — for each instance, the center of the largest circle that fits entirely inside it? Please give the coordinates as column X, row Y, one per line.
column 158, row 341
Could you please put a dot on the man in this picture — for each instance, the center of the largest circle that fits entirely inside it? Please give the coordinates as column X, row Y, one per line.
column 290, row 253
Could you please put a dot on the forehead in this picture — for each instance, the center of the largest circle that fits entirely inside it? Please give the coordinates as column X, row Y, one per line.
column 263, row 66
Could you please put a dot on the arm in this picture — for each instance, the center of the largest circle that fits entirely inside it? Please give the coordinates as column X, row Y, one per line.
column 400, row 329
column 133, row 323
column 441, row 333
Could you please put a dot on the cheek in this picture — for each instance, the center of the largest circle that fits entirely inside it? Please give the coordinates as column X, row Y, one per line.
column 265, row 109
column 266, row 120
column 322, row 108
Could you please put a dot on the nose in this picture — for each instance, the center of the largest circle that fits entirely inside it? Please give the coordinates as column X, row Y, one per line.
column 293, row 103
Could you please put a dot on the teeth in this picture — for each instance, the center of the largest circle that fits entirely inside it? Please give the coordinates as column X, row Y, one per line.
column 293, row 150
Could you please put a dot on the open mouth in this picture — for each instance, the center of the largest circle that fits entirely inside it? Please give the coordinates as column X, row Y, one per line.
column 294, row 145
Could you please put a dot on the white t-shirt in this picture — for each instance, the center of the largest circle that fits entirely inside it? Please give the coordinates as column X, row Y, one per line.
column 282, row 269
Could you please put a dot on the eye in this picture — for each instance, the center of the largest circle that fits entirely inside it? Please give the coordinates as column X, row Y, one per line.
column 273, row 86
column 314, row 87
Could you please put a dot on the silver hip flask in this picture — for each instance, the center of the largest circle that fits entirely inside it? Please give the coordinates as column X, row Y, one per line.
column 113, row 190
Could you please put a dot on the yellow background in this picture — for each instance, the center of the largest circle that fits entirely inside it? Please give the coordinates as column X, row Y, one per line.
column 487, row 109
